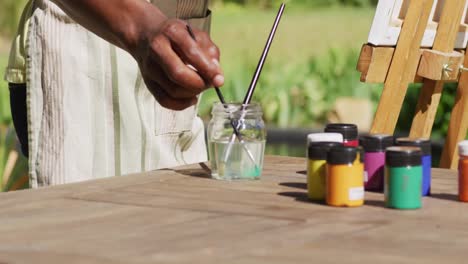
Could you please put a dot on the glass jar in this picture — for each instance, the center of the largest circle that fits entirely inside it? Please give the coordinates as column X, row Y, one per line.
column 236, row 153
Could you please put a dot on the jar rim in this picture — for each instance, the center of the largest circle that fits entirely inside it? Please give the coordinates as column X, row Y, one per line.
column 236, row 107
column 237, row 103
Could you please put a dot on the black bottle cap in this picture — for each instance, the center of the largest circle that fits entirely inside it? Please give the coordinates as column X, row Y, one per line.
column 424, row 144
column 340, row 155
column 403, row 156
column 319, row 150
column 376, row 142
column 349, row 131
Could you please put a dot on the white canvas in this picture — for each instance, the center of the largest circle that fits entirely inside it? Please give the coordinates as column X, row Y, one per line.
column 389, row 17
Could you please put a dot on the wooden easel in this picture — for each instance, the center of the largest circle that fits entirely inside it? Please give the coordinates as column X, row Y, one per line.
column 431, row 40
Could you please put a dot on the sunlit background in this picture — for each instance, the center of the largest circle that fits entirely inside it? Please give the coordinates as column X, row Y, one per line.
column 309, row 79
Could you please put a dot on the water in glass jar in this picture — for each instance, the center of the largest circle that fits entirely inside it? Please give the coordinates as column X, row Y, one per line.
column 236, row 164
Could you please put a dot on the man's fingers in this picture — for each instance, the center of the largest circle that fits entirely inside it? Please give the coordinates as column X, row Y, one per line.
column 176, row 70
column 177, row 67
column 155, row 73
column 208, row 46
column 165, row 100
column 193, row 54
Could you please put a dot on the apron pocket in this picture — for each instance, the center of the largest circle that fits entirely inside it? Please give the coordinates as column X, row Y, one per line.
column 173, row 122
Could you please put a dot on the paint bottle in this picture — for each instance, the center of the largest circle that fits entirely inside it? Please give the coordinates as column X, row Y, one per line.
column 463, row 171
column 349, row 132
column 316, row 168
column 374, row 147
column 345, row 185
column 425, row 145
column 403, row 177
column 321, row 137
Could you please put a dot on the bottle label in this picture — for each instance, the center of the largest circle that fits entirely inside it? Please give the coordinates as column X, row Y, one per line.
column 356, row 194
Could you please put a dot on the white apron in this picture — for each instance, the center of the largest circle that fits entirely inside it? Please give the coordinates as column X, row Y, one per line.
column 89, row 112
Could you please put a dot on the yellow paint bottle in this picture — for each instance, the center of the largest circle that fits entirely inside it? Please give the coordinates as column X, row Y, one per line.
column 345, row 181
column 316, row 168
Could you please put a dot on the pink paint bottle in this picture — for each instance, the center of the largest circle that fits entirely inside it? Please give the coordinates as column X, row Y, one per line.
column 374, row 166
column 349, row 132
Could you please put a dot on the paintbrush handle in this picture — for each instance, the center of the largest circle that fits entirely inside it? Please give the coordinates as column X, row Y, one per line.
column 236, row 131
column 218, row 91
column 258, row 70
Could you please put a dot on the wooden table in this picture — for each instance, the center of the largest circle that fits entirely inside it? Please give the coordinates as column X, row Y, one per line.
column 181, row 216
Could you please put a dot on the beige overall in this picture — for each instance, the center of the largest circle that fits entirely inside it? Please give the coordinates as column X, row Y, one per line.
column 89, row 112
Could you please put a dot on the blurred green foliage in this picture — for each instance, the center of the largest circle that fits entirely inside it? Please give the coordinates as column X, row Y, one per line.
column 298, row 94
column 10, row 13
column 5, row 116
column 301, row 94
column 13, row 166
column 312, row 62
column 444, row 110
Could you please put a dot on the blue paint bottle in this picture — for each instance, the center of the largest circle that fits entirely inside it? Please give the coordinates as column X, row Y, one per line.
column 425, row 146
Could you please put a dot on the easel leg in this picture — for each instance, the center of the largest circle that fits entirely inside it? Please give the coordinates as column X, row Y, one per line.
column 426, row 109
column 444, row 41
column 405, row 61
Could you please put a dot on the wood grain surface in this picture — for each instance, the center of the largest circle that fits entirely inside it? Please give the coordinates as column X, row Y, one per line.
column 183, row 216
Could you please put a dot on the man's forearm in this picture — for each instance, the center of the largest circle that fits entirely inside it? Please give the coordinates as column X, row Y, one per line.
column 121, row 22
column 162, row 47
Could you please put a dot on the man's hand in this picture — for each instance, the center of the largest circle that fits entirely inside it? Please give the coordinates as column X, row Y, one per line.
column 175, row 67
column 162, row 47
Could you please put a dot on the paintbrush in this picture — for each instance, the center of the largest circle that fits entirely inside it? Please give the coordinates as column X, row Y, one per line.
column 258, row 71
column 221, row 99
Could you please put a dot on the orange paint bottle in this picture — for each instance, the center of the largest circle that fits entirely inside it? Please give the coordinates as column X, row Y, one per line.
column 463, row 171
column 345, row 177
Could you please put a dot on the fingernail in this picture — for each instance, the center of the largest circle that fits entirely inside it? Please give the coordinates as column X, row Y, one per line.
column 191, row 67
column 218, row 80
column 216, row 62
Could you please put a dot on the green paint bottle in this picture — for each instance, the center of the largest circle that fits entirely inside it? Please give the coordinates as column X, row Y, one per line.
column 403, row 177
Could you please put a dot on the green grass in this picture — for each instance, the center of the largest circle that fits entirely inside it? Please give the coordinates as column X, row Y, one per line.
column 10, row 13
column 311, row 62
column 4, row 102
column 241, row 33
column 5, row 118
column 18, row 176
